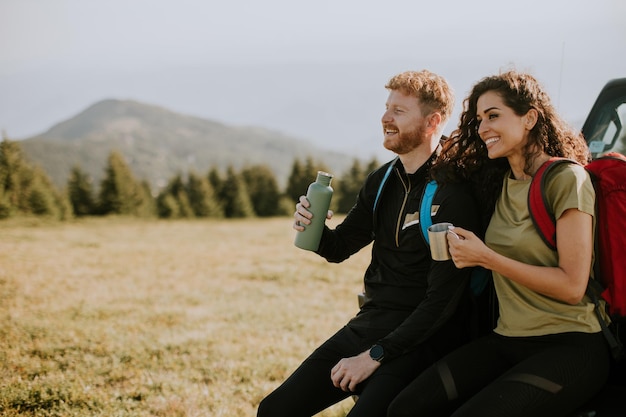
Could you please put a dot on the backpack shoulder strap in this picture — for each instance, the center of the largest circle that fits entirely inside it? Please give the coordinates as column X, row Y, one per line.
column 426, row 203
column 541, row 215
column 382, row 183
column 480, row 276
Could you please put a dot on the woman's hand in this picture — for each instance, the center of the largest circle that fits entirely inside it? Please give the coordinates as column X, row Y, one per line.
column 565, row 282
column 466, row 248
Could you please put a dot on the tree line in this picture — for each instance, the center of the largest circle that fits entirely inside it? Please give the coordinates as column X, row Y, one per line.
column 252, row 191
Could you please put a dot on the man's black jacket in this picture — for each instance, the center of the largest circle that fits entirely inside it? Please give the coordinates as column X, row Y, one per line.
column 409, row 297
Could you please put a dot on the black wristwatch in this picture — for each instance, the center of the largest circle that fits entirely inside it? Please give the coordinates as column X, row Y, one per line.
column 377, row 353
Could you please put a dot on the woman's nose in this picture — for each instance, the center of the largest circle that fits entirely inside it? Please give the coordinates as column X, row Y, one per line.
column 481, row 128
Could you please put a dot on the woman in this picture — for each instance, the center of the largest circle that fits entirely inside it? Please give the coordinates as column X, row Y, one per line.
column 547, row 354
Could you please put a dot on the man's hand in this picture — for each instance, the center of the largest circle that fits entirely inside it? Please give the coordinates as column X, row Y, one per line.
column 302, row 216
column 349, row 372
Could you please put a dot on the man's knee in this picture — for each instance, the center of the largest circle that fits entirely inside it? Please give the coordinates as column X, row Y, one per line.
column 269, row 407
column 398, row 408
column 409, row 403
column 263, row 409
column 281, row 404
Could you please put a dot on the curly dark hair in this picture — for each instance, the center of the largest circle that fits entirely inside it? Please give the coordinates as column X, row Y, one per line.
column 464, row 155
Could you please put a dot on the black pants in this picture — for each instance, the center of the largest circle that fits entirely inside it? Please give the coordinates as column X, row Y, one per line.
column 310, row 390
column 510, row 376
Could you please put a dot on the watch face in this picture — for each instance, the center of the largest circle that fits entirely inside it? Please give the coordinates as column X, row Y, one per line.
column 377, row 352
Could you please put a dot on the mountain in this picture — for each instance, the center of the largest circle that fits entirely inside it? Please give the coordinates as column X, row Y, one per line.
column 159, row 143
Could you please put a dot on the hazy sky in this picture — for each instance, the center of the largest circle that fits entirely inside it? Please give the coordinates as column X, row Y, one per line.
column 315, row 70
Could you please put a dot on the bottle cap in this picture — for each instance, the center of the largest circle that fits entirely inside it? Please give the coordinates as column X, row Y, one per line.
column 324, row 177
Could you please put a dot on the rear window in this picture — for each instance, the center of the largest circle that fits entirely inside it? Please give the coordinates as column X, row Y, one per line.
column 605, row 127
column 610, row 134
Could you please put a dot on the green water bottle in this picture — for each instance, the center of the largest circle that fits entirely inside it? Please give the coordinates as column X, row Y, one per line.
column 319, row 195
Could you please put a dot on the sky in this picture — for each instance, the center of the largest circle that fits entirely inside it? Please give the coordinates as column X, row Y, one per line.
column 312, row 70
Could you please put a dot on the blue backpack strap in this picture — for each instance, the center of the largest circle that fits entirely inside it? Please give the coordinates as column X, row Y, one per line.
column 425, row 208
column 382, row 183
column 479, row 279
column 425, row 203
column 480, row 276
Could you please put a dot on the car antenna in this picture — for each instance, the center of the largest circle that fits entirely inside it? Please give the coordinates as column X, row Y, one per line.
column 558, row 100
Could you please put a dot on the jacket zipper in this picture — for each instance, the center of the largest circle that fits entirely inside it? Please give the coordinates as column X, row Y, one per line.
column 407, row 190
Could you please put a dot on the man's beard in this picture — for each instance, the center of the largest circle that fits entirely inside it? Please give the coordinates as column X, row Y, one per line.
column 404, row 142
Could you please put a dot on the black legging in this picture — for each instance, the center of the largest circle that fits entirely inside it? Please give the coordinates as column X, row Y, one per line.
column 510, row 376
column 310, row 390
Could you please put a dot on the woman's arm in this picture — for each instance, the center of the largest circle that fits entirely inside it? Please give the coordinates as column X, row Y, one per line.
column 567, row 282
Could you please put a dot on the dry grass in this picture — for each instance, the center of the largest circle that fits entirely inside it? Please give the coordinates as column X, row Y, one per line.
column 120, row 317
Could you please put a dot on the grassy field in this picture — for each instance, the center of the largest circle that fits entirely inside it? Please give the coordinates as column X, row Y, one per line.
column 124, row 317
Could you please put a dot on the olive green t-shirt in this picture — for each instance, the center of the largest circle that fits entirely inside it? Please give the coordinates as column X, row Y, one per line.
column 511, row 233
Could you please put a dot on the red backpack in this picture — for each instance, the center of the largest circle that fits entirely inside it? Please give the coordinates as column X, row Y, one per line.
column 608, row 174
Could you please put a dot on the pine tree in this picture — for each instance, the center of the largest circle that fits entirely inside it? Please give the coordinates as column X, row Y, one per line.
column 301, row 176
column 5, row 205
column 178, row 190
column 80, row 192
column 24, row 189
column 371, row 166
column 147, row 204
column 11, row 166
column 176, row 200
column 236, row 198
column 263, row 190
column 41, row 197
column 167, row 206
column 351, row 183
column 202, row 197
column 296, row 183
column 216, row 181
column 120, row 193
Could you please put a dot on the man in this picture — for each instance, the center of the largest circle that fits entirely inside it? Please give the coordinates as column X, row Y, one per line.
column 412, row 312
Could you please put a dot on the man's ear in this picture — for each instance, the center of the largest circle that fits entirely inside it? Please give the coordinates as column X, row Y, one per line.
column 531, row 119
column 434, row 121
